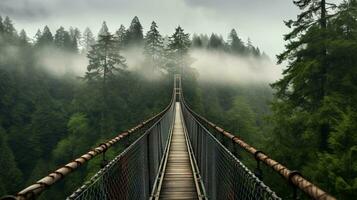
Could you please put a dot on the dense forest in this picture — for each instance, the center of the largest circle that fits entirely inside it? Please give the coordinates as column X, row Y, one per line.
column 50, row 114
column 305, row 120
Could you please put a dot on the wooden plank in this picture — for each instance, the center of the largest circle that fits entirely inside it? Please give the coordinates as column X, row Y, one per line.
column 178, row 182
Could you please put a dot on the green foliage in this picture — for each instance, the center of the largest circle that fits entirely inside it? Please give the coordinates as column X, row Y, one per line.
column 179, row 44
column 315, row 100
column 134, row 34
column 154, row 47
column 88, row 40
column 45, row 38
column 46, row 121
column 9, row 170
column 236, row 44
column 64, row 41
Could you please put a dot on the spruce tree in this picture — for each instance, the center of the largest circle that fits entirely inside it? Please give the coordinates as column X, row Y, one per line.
column 1, row 26
column 196, row 41
column 87, row 40
column 75, row 36
column 338, row 108
column 8, row 26
column 120, row 36
column 135, row 33
column 103, row 30
column 63, row 40
column 314, row 101
column 23, row 37
column 236, row 44
column 154, row 45
column 215, row 42
column 37, row 35
column 178, row 47
column 105, row 63
column 46, row 38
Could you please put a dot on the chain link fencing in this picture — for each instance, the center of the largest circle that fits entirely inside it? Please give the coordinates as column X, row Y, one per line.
column 223, row 175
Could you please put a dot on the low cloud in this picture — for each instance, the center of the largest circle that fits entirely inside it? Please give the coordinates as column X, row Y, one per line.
column 227, row 68
column 59, row 63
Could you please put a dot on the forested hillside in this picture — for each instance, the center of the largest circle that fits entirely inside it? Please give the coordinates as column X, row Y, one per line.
column 50, row 112
column 65, row 91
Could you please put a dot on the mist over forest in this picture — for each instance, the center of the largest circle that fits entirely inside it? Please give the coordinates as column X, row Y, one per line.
column 64, row 91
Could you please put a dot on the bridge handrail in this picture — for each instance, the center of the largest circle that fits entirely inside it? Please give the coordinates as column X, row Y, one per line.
column 32, row 191
column 291, row 176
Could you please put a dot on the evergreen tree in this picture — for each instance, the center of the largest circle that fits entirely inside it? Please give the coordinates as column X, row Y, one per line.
column 338, row 107
column 105, row 62
column 236, row 44
column 88, row 40
column 178, row 47
column 46, row 38
column 315, row 99
column 196, row 41
column 63, row 40
column 1, row 26
column 23, row 37
column 120, row 36
column 135, row 33
column 215, row 42
column 9, row 172
column 154, row 44
column 75, row 36
column 8, row 27
column 37, row 35
column 103, row 30
column 307, row 48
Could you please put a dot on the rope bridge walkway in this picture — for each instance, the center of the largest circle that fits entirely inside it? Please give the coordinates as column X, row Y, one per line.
column 178, row 154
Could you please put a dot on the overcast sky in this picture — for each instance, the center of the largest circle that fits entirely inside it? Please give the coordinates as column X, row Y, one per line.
column 261, row 20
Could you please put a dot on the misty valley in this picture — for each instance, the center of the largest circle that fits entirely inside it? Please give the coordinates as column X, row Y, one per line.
column 108, row 113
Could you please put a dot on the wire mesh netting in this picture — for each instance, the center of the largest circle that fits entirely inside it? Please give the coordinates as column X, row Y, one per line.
column 223, row 175
column 130, row 175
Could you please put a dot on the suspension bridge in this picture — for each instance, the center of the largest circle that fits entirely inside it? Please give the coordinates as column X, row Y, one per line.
column 178, row 154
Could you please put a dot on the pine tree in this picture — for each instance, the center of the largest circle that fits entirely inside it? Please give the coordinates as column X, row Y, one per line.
column 23, row 37
column 196, row 41
column 120, row 36
column 215, row 42
column 236, row 44
column 88, row 40
column 105, row 62
column 46, row 38
column 154, row 44
column 63, row 40
column 38, row 35
column 9, row 28
column 178, row 47
column 1, row 26
column 315, row 101
column 75, row 36
column 135, row 33
column 338, row 108
column 103, row 30
column 9, row 172
column 307, row 86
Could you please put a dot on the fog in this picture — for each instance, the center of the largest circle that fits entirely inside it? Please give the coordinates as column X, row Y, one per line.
column 59, row 62
column 214, row 66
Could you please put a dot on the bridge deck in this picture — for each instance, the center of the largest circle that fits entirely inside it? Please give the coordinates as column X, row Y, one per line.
column 178, row 182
